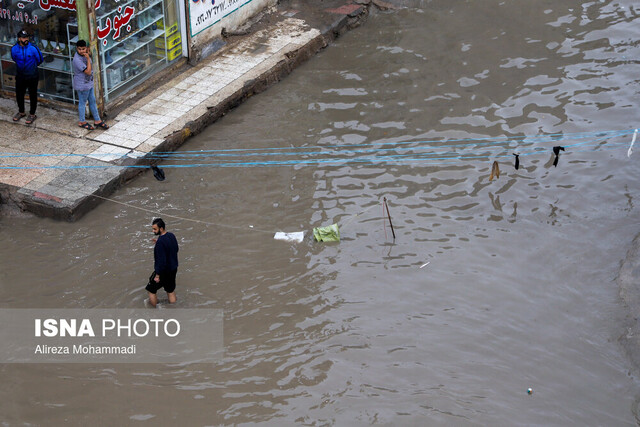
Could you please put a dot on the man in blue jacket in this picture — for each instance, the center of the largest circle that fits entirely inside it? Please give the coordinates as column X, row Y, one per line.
column 27, row 57
column 165, row 255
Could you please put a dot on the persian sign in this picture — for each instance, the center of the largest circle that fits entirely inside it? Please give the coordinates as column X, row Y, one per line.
column 121, row 19
column 19, row 15
column 205, row 13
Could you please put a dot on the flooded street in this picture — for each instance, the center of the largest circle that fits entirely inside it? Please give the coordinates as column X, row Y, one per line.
column 520, row 287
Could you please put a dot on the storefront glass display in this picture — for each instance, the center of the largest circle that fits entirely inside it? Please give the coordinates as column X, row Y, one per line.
column 51, row 26
column 137, row 38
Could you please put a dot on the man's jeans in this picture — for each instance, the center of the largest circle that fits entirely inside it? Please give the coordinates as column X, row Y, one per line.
column 83, row 97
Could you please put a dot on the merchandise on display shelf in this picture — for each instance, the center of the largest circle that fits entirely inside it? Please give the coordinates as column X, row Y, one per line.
column 140, row 47
column 170, row 54
column 51, row 32
column 170, row 43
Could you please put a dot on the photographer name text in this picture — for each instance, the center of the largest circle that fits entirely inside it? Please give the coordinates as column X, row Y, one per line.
column 84, row 349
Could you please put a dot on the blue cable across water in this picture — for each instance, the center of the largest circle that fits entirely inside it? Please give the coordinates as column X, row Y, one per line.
column 525, row 145
column 340, row 149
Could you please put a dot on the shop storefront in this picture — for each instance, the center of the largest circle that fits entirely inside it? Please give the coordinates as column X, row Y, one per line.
column 51, row 29
column 131, row 40
column 135, row 39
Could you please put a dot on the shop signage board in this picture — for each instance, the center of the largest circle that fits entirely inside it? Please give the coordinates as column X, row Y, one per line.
column 205, row 13
column 112, row 24
column 24, row 16
column 121, row 19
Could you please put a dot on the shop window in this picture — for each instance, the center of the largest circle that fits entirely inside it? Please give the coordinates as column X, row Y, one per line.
column 51, row 27
column 136, row 38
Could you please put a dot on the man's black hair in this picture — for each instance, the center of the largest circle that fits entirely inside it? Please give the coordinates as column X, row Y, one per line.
column 81, row 43
column 159, row 222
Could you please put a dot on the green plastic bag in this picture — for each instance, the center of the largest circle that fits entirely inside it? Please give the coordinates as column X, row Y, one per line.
column 329, row 233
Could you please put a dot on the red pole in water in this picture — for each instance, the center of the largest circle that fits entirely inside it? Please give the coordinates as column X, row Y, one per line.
column 389, row 215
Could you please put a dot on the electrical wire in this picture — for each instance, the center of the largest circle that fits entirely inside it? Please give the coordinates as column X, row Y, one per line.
column 376, row 155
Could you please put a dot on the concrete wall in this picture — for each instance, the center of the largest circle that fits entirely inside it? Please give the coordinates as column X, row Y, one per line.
column 207, row 41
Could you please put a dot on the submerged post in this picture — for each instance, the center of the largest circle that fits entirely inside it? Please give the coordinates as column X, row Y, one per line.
column 389, row 215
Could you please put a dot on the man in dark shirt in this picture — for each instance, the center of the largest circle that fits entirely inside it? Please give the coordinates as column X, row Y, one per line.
column 165, row 254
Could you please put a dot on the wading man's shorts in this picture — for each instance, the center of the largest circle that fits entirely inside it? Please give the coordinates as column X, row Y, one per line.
column 167, row 281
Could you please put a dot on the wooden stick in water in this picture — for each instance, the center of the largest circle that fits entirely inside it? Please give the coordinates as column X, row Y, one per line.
column 389, row 215
column 384, row 223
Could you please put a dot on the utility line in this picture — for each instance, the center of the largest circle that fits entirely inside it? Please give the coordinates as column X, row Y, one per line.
column 410, row 157
column 342, row 149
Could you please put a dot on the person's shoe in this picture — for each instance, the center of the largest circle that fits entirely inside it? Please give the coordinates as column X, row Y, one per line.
column 32, row 118
column 18, row 116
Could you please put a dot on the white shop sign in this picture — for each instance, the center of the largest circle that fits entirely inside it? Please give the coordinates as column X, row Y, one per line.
column 205, row 13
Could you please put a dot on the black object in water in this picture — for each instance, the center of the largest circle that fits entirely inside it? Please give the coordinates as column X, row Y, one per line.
column 158, row 173
column 517, row 160
column 556, row 151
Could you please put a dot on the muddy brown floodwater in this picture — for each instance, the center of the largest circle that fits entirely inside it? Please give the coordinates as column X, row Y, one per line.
column 520, row 290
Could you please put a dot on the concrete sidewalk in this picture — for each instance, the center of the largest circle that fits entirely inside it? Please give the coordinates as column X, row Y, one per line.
column 65, row 167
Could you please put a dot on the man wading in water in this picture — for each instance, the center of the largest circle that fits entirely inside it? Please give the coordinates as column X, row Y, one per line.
column 165, row 255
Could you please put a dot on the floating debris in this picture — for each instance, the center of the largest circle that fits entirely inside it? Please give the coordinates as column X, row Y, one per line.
column 633, row 140
column 495, row 171
column 556, row 151
column 158, row 173
column 295, row 237
column 330, row 233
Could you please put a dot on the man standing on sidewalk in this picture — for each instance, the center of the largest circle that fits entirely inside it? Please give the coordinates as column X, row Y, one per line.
column 83, row 83
column 27, row 57
column 165, row 254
